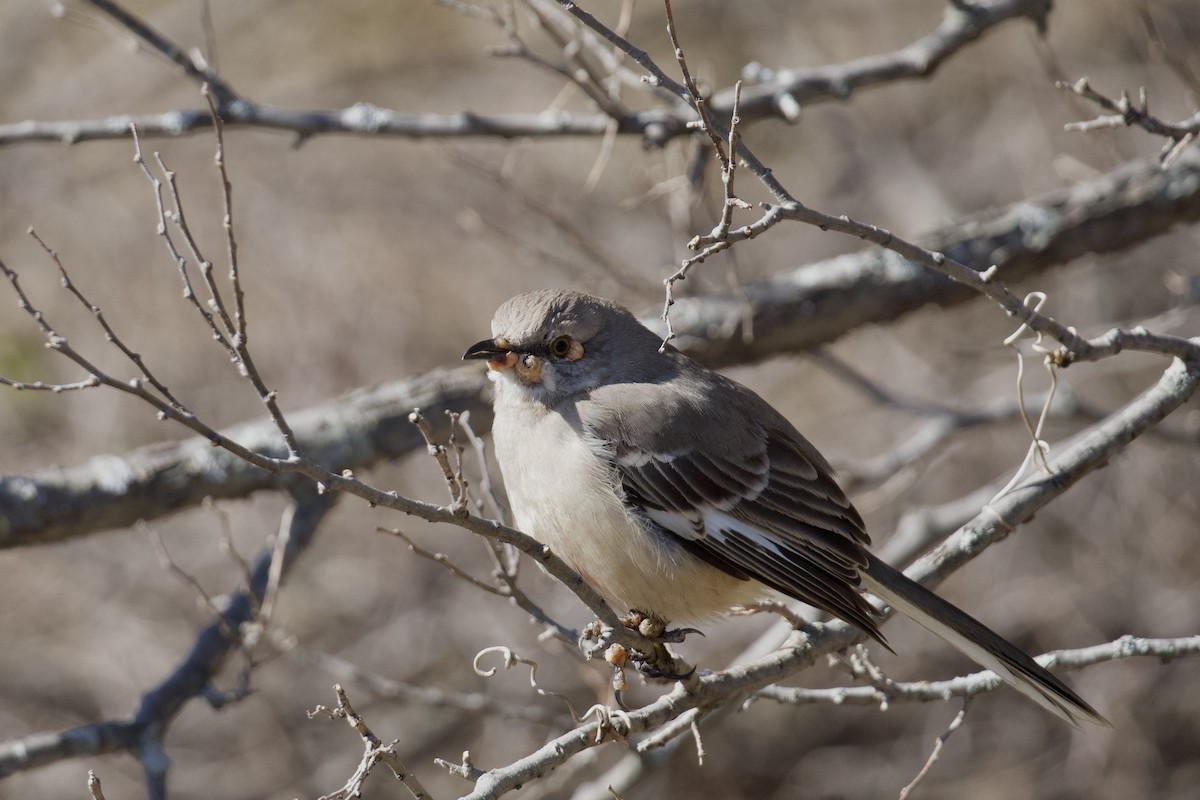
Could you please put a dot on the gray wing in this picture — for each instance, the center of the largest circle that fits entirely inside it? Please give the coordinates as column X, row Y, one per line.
column 742, row 489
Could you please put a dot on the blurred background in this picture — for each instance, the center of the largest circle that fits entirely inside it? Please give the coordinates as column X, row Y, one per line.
column 371, row 259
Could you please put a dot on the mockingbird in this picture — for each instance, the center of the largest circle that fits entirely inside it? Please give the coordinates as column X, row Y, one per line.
column 677, row 493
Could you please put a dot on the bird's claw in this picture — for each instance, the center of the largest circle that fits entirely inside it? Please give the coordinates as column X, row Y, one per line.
column 678, row 635
column 654, row 670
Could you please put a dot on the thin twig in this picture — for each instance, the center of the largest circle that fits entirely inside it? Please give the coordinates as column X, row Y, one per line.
column 110, row 335
column 444, row 560
column 180, row 261
column 168, row 563
column 375, row 752
column 985, row 681
column 693, row 92
column 459, row 498
column 485, row 473
column 937, row 749
column 227, row 545
column 93, row 784
column 1128, row 113
column 161, row 44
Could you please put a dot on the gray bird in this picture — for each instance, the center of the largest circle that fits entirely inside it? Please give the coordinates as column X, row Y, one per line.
column 677, row 492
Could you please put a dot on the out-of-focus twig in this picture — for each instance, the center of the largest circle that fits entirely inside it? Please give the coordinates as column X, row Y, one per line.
column 1128, row 113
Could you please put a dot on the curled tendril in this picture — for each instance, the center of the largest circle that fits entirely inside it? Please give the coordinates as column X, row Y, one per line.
column 608, row 719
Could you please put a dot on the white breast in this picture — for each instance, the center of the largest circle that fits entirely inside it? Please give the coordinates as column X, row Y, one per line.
column 562, row 491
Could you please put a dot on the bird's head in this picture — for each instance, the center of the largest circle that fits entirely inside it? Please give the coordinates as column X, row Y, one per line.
column 555, row 343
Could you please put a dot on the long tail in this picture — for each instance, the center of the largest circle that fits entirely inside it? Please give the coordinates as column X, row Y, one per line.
column 982, row 644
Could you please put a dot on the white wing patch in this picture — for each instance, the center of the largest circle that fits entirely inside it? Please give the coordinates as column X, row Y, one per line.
column 720, row 526
column 685, row 526
column 640, row 458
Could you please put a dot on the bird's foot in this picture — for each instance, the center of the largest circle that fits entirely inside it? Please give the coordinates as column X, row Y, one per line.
column 656, row 663
column 663, row 665
column 655, row 629
column 659, row 663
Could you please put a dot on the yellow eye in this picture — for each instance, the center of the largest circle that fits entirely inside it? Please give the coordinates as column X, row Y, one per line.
column 561, row 346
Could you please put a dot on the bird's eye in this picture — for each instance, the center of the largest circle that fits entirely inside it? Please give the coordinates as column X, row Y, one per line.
column 561, row 346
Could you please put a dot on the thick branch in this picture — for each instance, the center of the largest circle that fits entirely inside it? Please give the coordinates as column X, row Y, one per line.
column 782, row 93
column 351, row 432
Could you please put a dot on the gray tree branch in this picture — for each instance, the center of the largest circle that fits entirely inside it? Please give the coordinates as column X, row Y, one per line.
column 351, row 432
column 984, row 681
column 782, row 93
column 778, row 94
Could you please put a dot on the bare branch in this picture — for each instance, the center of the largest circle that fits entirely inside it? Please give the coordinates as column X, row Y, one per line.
column 694, row 97
column 459, row 499
column 873, row 286
column 980, row 279
column 94, row 788
column 1128, row 113
column 361, row 119
column 376, row 752
column 110, row 335
column 937, row 749
column 986, row 680
column 177, row 216
column 188, row 579
column 1088, row 452
column 354, row 431
column 485, row 480
column 164, row 46
column 444, row 560
column 1075, row 348
column 783, row 92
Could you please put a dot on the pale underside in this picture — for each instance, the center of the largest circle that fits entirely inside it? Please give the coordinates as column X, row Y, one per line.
column 563, row 492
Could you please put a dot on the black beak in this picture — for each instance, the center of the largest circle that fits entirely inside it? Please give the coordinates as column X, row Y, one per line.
column 487, row 349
